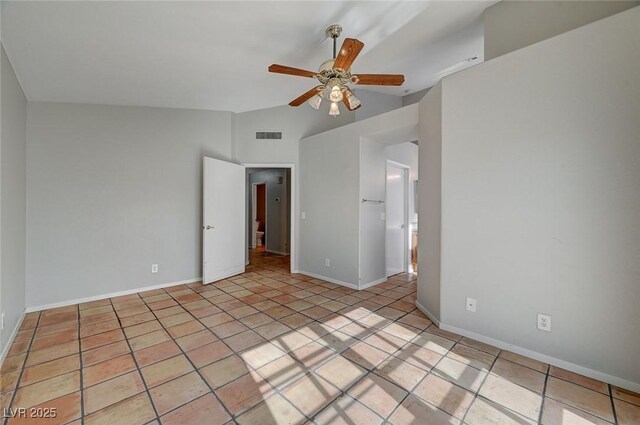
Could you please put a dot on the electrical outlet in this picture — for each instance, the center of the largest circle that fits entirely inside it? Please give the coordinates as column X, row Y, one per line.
column 383, row 216
column 303, row 215
column 154, row 268
column 471, row 304
column 327, row 262
column 544, row 322
column 2, row 320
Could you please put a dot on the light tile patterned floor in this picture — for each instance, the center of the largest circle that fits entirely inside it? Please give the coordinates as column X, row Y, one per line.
column 268, row 347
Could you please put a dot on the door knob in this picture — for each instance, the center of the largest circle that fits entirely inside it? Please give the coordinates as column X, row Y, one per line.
column 207, row 227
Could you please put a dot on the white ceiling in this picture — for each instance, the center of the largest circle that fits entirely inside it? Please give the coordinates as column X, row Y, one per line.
column 214, row 55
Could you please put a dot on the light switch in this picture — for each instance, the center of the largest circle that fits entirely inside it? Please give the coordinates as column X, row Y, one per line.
column 382, row 216
column 304, row 215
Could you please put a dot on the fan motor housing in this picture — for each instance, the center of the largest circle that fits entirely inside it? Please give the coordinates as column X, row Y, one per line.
column 326, row 66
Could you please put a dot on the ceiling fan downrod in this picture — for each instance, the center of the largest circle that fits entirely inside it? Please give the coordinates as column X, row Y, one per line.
column 334, row 32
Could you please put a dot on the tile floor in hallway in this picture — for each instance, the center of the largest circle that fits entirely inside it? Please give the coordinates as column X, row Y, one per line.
column 269, row 347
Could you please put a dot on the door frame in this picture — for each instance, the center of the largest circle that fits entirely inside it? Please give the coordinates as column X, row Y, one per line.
column 407, row 234
column 292, row 204
column 254, row 211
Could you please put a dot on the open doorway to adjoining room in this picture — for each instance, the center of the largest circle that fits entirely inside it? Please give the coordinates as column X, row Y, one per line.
column 269, row 216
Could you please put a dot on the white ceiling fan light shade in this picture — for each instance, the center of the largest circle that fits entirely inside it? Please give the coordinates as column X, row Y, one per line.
column 334, row 110
column 335, row 95
column 315, row 101
column 353, row 101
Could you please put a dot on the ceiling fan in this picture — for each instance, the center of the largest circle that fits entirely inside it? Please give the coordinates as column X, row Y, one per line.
column 334, row 75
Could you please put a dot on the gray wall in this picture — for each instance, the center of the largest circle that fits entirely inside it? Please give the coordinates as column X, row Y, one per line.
column 430, row 201
column 372, row 179
column 13, row 159
column 407, row 153
column 416, row 97
column 329, row 198
column 374, row 103
column 512, row 25
column 112, row 190
column 337, row 169
column 373, row 168
column 295, row 123
column 540, row 199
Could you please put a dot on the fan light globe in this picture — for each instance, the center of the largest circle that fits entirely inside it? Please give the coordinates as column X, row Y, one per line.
column 315, row 101
column 334, row 110
column 336, row 94
column 352, row 100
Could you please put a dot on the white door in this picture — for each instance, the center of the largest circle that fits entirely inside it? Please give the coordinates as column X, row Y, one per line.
column 396, row 219
column 224, row 223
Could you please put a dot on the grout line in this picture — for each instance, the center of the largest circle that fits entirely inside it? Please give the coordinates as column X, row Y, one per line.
column 544, row 393
column 274, row 277
column 153, row 406
column 81, row 368
column 26, row 357
column 184, row 353
column 613, row 405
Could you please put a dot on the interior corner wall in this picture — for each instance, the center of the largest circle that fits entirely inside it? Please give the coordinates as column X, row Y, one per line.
column 511, row 25
column 374, row 103
column 540, row 199
column 329, row 175
column 430, row 201
column 13, row 147
column 372, row 180
column 415, row 97
column 113, row 190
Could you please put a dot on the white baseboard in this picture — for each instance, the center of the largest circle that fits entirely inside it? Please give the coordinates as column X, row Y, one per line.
column 110, row 295
column 370, row 284
column 600, row 376
column 428, row 313
column 7, row 347
column 328, row 279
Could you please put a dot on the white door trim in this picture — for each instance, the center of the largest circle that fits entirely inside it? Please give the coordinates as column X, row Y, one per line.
column 407, row 234
column 293, row 200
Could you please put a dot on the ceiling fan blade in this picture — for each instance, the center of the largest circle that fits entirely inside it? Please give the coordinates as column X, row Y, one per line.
column 379, row 79
column 308, row 95
column 348, row 100
column 281, row 69
column 348, row 53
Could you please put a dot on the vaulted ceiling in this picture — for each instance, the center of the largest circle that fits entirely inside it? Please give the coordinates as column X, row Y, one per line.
column 214, row 55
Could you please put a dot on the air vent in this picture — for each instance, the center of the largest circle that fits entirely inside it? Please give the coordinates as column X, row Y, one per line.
column 269, row 135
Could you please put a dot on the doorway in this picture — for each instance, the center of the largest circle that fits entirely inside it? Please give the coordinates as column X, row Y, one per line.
column 397, row 218
column 269, row 212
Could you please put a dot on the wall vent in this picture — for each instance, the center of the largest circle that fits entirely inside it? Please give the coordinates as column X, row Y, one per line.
column 269, row 135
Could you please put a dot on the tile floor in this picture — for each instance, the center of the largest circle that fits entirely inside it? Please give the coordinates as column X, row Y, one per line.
column 269, row 347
